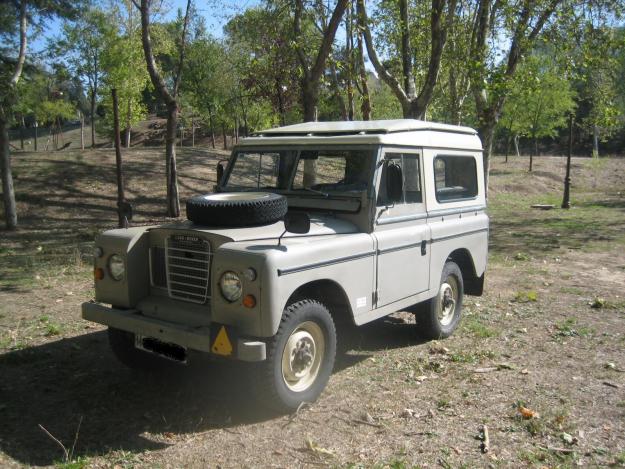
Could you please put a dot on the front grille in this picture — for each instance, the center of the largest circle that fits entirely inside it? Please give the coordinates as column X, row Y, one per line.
column 187, row 261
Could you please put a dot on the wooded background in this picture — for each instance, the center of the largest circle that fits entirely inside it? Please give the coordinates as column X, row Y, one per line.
column 513, row 69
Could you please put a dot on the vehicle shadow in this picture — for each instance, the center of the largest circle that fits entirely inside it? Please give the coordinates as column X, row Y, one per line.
column 76, row 390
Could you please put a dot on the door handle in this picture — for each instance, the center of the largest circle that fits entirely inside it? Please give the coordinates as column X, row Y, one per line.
column 424, row 244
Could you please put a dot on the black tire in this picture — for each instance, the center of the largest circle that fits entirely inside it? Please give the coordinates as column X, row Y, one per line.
column 123, row 346
column 233, row 209
column 280, row 390
column 434, row 321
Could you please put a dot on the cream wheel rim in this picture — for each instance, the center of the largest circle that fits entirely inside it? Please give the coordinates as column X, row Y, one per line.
column 448, row 298
column 302, row 356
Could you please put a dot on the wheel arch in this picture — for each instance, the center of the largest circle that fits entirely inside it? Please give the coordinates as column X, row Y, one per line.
column 328, row 292
column 473, row 284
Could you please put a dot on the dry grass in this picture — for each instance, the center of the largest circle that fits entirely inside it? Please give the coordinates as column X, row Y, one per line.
column 393, row 400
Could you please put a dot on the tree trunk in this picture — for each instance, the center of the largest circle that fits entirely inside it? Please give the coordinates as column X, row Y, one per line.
column 365, row 106
column 281, row 109
column 93, row 97
column 192, row 132
column 173, row 202
column 595, row 141
column 309, row 100
column 8, row 191
column 349, row 51
column 212, row 127
column 171, row 99
column 508, row 142
column 82, row 131
column 223, row 132
column 534, row 152
column 487, row 134
column 516, row 146
column 36, row 136
column 337, row 92
column 127, row 129
column 22, row 132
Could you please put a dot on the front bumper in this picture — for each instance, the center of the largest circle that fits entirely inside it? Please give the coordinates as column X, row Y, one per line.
column 196, row 338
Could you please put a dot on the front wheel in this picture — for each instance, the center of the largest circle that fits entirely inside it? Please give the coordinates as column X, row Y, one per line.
column 300, row 357
column 439, row 317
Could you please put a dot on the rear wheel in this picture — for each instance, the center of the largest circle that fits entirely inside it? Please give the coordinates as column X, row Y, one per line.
column 439, row 317
column 300, row 357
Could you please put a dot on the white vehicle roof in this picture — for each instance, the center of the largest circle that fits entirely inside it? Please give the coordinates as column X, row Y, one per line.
column 404, row 132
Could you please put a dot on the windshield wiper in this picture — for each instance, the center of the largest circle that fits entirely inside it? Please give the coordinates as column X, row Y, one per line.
column 314, row 191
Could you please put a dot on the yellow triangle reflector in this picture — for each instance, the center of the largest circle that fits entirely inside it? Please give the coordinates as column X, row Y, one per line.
column 222, row 345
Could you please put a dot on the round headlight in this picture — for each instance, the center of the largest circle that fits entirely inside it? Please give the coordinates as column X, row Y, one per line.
column 117, row 268
column 231, row 287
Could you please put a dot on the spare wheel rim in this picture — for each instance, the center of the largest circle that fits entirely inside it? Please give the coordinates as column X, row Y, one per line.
column 237, row 196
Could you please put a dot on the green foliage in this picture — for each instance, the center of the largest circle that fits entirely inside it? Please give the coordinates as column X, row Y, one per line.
column 123, row 65
column 384, row 104
column 49, row 111
column 539, row 101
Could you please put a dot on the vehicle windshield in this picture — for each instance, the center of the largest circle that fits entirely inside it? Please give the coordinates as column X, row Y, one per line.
column 319, row 171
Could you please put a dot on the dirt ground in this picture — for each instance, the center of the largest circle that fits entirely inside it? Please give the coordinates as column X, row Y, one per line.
column 547, row 336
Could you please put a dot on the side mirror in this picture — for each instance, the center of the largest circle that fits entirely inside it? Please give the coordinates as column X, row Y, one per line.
column 220, row 172
column 394, row 182
column 297, row 222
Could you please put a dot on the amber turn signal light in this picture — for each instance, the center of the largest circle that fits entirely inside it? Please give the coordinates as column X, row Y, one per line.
column 98, row 273
column 249, row 301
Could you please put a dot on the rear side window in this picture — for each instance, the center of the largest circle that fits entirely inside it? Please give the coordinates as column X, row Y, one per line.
column 455, row 178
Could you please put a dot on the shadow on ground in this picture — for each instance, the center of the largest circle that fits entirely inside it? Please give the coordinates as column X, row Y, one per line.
column 62, row 383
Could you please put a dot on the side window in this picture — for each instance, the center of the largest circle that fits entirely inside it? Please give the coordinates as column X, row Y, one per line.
column 255, row 170
column 409, row 163
column 455, row 178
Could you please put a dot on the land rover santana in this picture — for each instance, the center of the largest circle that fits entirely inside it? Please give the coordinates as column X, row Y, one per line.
column 309, row 225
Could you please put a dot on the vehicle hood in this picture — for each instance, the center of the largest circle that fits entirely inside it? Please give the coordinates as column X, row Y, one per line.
column 319, row 226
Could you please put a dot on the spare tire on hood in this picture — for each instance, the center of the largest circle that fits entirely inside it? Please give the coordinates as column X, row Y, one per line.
column 237, row 209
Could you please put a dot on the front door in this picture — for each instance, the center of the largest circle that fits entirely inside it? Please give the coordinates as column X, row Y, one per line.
column 402, row 233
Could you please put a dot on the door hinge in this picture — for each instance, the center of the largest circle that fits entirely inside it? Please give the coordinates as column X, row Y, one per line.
column 424, row 245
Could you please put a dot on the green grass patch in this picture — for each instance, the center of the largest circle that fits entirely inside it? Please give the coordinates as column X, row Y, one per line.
column 525, row 296
column 570, row 328
column 476, row 327
column 472, row 357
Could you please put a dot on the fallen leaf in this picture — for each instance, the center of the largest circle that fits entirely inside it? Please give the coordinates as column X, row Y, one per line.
column 438, row 350
column 505, row 366
column 367, row 418
column 568, row 439
column 312, row 446
column 525, row 371
column 528, row 413
column 485, row 370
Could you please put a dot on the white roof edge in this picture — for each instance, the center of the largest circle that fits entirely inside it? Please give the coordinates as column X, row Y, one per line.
column 365, row 127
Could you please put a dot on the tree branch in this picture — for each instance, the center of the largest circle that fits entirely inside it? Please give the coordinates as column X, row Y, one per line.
column 297, row 32
column 439, row 38
column 543, row 19
column 21, row 58
column 328, row 40
column 384, row 75
column 406, row 51
column 157, row 79
column 182, row 49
